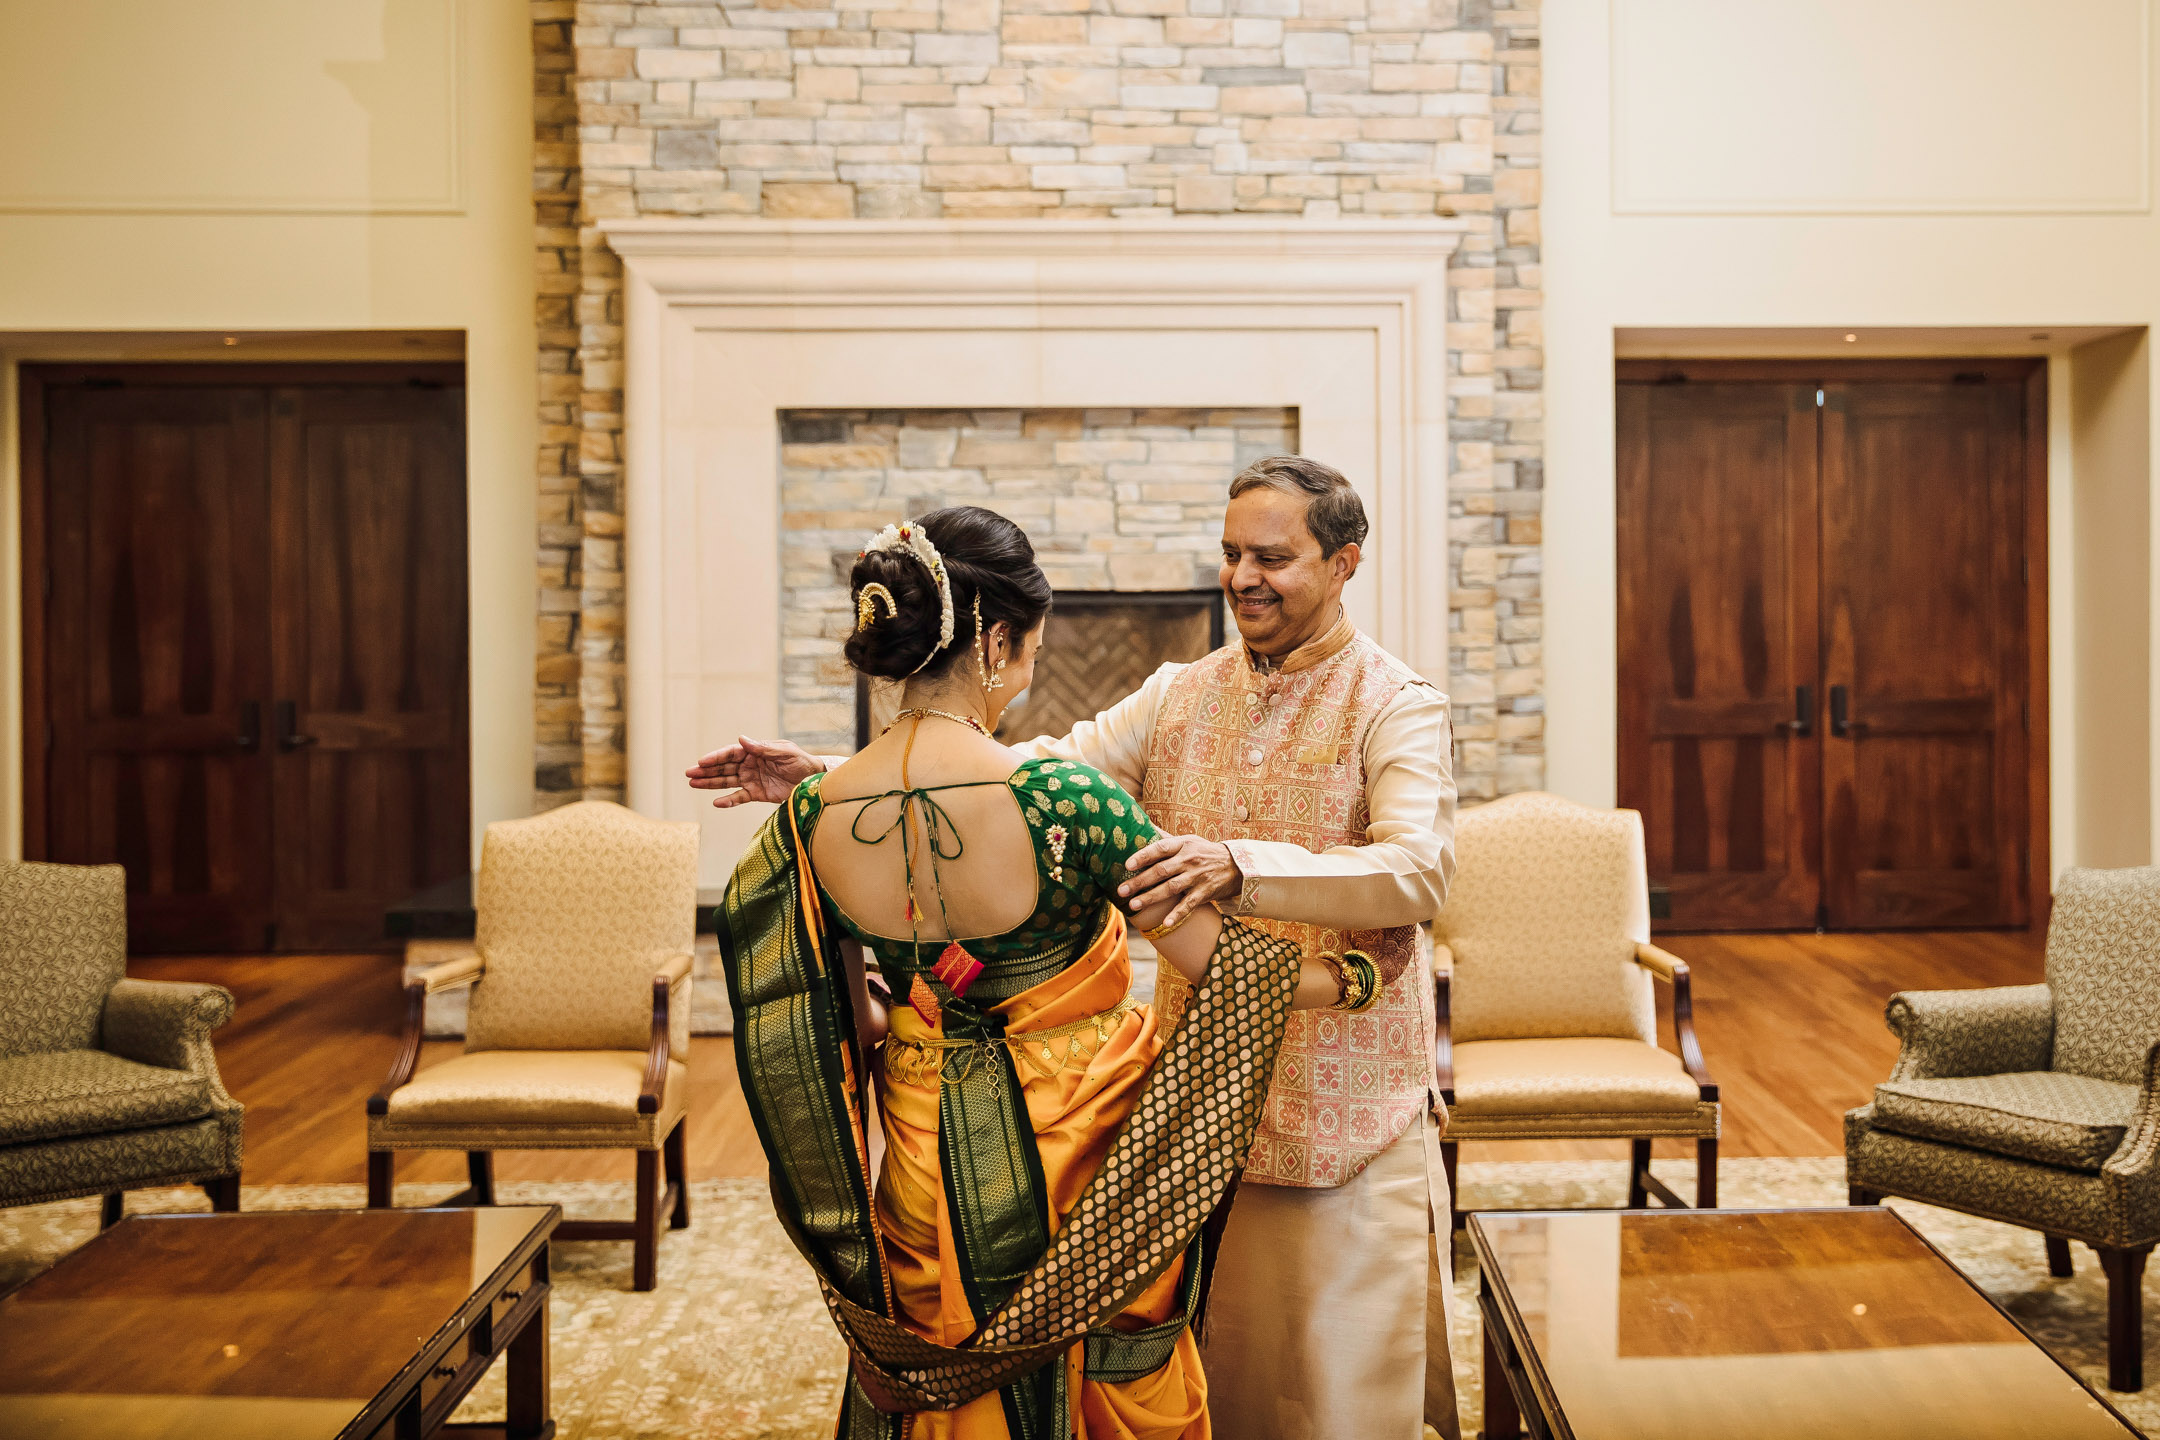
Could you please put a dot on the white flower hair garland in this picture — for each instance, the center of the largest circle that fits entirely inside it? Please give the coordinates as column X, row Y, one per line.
column 911, row 539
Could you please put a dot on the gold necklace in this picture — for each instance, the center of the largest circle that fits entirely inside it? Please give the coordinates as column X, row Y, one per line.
column 924, row 711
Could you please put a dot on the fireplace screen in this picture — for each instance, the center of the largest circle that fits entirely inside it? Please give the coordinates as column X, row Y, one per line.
column 1100, row 647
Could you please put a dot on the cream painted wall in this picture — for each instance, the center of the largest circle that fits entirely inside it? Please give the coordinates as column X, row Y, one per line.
column 1820, row 250
column 339, row 167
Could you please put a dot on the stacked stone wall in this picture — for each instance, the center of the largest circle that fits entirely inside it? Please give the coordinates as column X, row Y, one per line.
column 1042, row 109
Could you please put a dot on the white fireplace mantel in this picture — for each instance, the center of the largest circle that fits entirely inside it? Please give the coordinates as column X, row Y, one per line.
column 731, row 322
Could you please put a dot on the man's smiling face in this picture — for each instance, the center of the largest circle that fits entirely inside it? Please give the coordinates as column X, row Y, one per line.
column 1283, row 591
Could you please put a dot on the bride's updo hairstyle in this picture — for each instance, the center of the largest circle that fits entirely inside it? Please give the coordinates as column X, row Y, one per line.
column 987, row 557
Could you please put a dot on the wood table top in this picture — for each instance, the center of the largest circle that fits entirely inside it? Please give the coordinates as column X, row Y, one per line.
column 1774, row 1324
column 284, row 1323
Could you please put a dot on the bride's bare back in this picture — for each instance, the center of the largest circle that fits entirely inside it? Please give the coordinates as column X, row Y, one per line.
column 989, row 886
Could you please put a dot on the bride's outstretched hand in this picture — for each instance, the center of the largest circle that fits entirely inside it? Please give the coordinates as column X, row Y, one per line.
column 761, row 770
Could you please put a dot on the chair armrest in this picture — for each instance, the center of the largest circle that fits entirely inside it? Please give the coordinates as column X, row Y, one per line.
column 1443, row 1031
column 1661, row 963
column 164, row 1022
column 1673, row 971
column 1944, row 1034
column 2138, row 1157
column 673, row 971
column 465, row 970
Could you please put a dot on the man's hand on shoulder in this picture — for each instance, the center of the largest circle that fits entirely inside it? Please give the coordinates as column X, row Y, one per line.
column 1184, row 868
column 761, row 770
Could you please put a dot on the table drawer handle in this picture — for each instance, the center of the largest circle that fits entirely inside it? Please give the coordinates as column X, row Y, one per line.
column 444, row 1372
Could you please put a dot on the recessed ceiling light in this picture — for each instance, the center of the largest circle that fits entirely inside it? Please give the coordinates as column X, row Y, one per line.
column 1850, row 338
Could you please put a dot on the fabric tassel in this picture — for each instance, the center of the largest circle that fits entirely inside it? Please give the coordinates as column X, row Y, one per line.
column 957, row 969
column 925, row 1001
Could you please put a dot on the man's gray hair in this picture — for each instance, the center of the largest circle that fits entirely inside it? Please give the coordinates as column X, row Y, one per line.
column 1334, row 513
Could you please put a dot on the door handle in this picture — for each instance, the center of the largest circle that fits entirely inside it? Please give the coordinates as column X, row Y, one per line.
column 288, row 723
column 250, row 737
column 1841, row 722
column 1802, row 724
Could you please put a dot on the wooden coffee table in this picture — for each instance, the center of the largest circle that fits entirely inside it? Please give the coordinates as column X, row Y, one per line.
column 1769, row 1324
column 369, row 1324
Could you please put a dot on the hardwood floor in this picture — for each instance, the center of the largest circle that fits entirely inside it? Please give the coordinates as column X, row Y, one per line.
column 1791, row 1027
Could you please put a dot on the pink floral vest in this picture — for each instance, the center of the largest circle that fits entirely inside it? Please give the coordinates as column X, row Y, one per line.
column 1241, row 756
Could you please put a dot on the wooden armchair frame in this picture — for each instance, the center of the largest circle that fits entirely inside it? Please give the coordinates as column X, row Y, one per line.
column 652, row 1197
column 1662, row 965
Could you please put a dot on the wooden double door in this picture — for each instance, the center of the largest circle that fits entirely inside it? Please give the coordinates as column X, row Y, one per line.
column 245, row 659
column 1831, row 639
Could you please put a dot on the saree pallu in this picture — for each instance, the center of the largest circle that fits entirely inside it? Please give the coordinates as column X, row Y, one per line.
column 1028, row 1282
column 1075, row 1104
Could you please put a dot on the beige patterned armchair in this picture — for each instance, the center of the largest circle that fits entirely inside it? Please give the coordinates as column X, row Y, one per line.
column 580, row 1018
column 2040, row 1104
column 106, row 1084
column 1543, row 971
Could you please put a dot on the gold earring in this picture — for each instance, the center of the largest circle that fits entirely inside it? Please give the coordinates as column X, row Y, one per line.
column 990, row 682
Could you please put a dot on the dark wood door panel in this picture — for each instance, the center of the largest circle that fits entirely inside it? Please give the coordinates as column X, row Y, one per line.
column 245, row 615
column 369, row 526
column 157, row 655
column 1717, row 597
column 1866, row 754
column 1924, row 618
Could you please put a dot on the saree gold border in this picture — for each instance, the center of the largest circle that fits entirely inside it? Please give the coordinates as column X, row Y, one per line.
column 813, row 914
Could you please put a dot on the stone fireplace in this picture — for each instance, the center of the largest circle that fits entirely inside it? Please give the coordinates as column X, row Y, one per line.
column 791, row 385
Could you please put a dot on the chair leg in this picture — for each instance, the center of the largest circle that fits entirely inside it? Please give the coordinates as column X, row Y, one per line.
column 480, row 1169
column 224, row 1193
column 673, row 1152
column 381, row 1170
column 1638, row 1194
column 1706, row 1174
column 2126, row 1316
column 110, row 1211
column 645, row 1254
column 1450, row 1156
column 1861, row 1195
column 2058, row 1253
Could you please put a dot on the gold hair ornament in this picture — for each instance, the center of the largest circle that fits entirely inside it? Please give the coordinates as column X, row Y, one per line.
column 866, row 612
column 910, row 540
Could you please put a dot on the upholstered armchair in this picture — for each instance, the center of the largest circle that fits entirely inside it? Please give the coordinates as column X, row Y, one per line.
column 580, row 1018
column 106, row 1084
column 2039, row 1105
column 1544, row 971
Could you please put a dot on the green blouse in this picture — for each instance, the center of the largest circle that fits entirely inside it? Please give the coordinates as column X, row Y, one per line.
column 1083, row 826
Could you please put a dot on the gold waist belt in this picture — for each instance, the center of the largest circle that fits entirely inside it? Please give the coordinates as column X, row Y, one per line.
column 914, row 1062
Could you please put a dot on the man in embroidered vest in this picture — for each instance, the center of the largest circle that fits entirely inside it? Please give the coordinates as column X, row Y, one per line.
column 1302, row 779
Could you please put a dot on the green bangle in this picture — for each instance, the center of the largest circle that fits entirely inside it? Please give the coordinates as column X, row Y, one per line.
column 1360, row 980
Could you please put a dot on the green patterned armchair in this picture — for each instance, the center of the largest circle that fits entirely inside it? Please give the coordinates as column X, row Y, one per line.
column 106, row 1083
column 2040, row 1104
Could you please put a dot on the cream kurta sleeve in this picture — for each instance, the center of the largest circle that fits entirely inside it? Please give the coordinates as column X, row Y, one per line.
column 1400, row 875
column 1115, row 741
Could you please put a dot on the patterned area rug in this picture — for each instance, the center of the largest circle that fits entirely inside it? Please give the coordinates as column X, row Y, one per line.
column 735, row 1343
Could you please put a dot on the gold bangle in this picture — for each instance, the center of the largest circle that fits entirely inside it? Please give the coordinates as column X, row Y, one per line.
column 1358, row 978
column 1159, row 931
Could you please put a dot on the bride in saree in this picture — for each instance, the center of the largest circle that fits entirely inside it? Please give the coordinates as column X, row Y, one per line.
column 1028, row 1258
